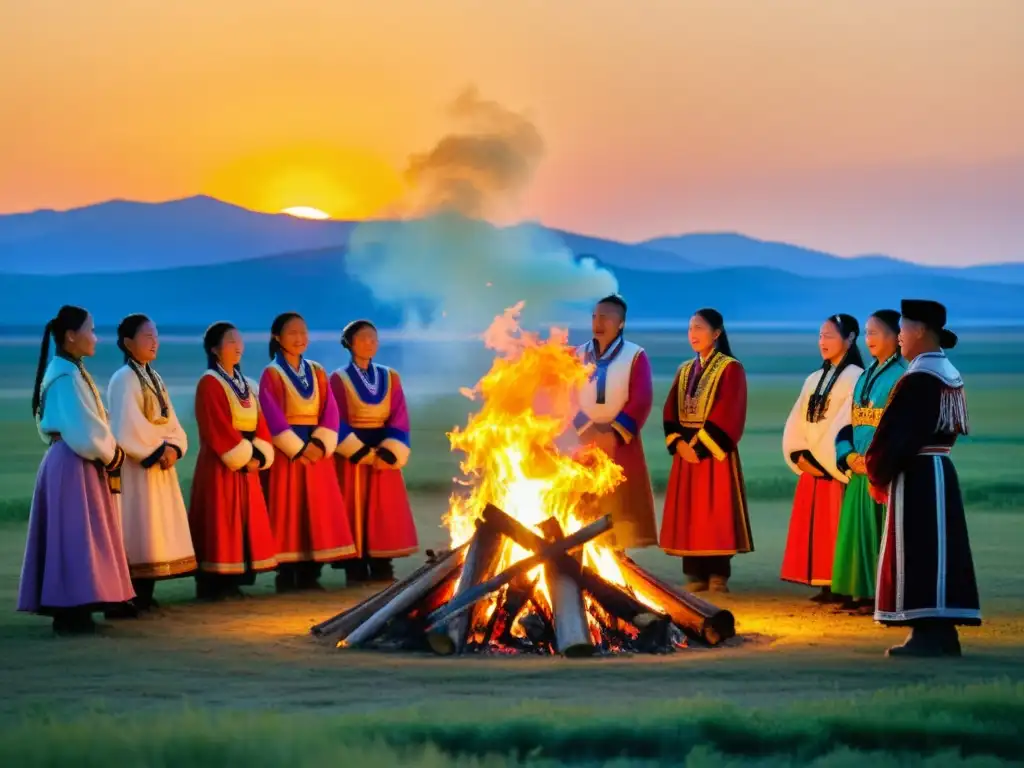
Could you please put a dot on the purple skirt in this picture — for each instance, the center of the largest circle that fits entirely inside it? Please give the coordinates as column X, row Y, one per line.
column 74, row 556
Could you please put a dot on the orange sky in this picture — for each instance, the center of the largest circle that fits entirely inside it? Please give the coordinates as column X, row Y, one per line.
column 851, row 125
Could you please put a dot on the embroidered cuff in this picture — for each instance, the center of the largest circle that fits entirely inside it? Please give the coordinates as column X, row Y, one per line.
column 154, row 457
column 672, row 443
column 361, row 455
column 263, row 452
column 705, row 439
column 386, row 455
column 115, row 463
column 327, row 439
column 238, row 456
column 625, row 426
column 398, row 450
column 350, row 445
column 290, row 444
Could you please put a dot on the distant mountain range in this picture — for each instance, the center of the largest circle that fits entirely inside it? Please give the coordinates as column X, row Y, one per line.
column 199, row 259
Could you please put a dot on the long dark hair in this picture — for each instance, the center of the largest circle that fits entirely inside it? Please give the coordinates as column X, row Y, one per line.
column 714, row 318
column 69, row 318
column 847, row 326
column 275, row 330
column 212, row 339
column 127, row 330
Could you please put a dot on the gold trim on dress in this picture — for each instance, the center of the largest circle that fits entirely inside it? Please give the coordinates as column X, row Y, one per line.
column 866, row 416
column 162, row 570
column 693, row 412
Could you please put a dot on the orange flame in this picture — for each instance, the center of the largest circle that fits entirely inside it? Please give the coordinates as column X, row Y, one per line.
column 521, row 452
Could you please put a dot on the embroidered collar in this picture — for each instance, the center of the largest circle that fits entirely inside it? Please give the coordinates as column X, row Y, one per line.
column 606, row 357
column 875, row 370
column 302, row 379
column 239, row 384
column 938, row 365
column 149, row 379
column 371, row 385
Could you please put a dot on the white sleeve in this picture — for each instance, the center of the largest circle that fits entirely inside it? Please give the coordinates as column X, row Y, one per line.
column 794, row 436
column 80, row 427
column 138, row 437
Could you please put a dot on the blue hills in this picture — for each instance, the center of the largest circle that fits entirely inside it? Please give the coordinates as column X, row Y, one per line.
column 195, row 260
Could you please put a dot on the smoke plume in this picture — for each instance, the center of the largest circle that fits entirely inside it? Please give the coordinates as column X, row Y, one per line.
column 449, row 269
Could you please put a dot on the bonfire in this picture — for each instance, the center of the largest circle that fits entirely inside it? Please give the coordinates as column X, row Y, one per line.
column 529, row 568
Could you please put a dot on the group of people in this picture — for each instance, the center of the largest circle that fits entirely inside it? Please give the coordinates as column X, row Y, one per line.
column 877, row 523
column 878, row 520
column 298, row 471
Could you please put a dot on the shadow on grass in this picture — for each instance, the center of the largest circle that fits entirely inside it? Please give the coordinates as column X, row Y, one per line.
column 929, row 726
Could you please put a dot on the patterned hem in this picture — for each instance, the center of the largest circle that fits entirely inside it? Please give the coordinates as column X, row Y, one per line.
column 319, row 556
column 234, row 569
column 704, row 552
column 972, row 614
column 166, row 570
column 393, row 552
column 811, row 583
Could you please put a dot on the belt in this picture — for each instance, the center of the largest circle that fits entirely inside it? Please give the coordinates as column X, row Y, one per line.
column 935, row 450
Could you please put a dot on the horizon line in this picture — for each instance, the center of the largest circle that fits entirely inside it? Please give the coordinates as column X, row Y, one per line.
column 641, row 243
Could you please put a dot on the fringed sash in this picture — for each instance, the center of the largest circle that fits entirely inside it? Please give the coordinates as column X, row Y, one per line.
column 953, row 419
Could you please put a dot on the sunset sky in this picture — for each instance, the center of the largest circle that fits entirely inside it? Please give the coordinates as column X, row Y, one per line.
column 855, row 126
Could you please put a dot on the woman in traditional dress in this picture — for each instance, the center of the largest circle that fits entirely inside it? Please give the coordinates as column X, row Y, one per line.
column 855, row 564
column 307, row 508
column 809, row 448
column 227, row 513
column 705, row 519
column 75, row 563
column 153, row 515
column 373, row 448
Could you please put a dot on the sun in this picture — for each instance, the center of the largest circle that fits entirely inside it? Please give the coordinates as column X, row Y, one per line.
column 306, row 212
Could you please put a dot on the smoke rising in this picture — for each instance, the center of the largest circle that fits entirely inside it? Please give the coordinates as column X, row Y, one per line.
column 451, row 270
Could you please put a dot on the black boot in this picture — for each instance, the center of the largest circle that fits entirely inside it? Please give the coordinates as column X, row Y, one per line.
column 120, row 611
column 827, row 596
column 382, row 570
column 286, row 579
column 68, row 622
column 144, row 599
column 357, row 571
column 929, row 641
column 307, row 576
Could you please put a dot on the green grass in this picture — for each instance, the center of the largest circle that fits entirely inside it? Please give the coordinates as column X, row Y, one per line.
column 244, row 684
column 988, row 461
column 977, row 724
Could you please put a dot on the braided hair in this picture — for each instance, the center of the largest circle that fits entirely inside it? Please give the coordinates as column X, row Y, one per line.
column 68, row 318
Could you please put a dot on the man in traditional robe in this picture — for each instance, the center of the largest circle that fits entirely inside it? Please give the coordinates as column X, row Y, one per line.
column 925, row 569
column 614, row 405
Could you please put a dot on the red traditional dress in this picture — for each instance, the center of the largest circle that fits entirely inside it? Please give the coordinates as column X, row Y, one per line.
column 618, row 398
column 706, row 516
column 227, row 514
column 306, row 505
column 374, row 424
column 824, row 407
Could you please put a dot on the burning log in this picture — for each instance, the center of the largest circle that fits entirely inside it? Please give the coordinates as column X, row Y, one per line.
column 697, row 618
column 484, row 549
column 404, row 600
column 346, row 621
column 617, row 601
column 569, row 615
column 466, row 600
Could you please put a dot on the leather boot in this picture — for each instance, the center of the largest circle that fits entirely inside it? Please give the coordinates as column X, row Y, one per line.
column 928, row 642
column 718, row 584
